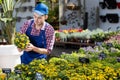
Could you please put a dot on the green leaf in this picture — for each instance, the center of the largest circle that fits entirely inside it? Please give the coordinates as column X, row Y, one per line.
column 6, row 19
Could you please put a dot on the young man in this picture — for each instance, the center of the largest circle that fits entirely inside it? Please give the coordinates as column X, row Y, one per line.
column 40, row 33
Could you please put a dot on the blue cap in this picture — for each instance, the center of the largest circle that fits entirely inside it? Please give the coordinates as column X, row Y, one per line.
column 41, row 9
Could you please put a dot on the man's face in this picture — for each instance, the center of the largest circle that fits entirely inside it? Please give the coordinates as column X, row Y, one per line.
column 39, row 20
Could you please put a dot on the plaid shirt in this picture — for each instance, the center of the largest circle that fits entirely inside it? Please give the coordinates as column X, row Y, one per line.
column 49, row 32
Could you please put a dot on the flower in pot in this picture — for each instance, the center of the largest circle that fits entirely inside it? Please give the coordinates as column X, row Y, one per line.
column 21, row 40
column 7, row 18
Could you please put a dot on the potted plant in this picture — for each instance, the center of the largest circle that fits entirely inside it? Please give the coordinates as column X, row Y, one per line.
column 9, row 21
column 9, row 53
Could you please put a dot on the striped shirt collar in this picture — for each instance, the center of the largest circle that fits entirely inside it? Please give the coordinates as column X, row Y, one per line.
column 43, row 27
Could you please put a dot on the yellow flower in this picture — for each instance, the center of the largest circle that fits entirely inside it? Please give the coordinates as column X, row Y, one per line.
column 41, row 66
column 29, row 72
column 2, row 76
column 21, row 40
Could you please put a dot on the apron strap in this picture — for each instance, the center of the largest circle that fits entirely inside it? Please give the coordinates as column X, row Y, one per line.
column 31, row 23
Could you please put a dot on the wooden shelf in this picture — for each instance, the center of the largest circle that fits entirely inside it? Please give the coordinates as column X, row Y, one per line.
column 72, row 44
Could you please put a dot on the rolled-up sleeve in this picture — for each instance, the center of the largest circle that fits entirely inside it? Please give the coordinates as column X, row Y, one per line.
column 50, row 38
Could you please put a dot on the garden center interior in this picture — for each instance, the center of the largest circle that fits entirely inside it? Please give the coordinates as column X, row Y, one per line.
column 93, row 25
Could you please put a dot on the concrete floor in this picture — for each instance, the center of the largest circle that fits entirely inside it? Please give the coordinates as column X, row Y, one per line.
column 57, row 51
column 60, row 48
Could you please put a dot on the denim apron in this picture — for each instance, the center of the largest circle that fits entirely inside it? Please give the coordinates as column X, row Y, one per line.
column 38, row 41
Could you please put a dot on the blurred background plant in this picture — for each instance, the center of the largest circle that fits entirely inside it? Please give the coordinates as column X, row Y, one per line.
column 53, row 16
column 8, row 20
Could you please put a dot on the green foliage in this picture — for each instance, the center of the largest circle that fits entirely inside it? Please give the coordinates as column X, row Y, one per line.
column 53, row 15
column 8, row 29
column 97, row 35
column 68, row 66
column 71, row 58
column 81, row 51
column 45, row 2
column 57, row 35
column 21, row 40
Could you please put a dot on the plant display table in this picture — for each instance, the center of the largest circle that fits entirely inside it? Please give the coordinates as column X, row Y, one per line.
column 72, row 44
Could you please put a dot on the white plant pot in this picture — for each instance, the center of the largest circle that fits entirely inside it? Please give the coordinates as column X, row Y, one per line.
column 9, row 56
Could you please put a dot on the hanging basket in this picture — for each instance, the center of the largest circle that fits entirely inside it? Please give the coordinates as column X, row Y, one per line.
column 70, row 6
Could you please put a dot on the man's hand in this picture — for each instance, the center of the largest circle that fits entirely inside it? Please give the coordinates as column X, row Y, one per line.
column 29, row 47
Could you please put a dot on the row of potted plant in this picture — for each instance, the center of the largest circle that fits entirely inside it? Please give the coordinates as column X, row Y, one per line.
column 79, row 35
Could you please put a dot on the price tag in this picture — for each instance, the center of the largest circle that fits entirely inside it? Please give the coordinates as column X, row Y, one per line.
column 6, row 70
column 18, row 71
column 99, row 43
column 83, row 60
column 109, row 44
column 118, row 59
column 38, row 76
